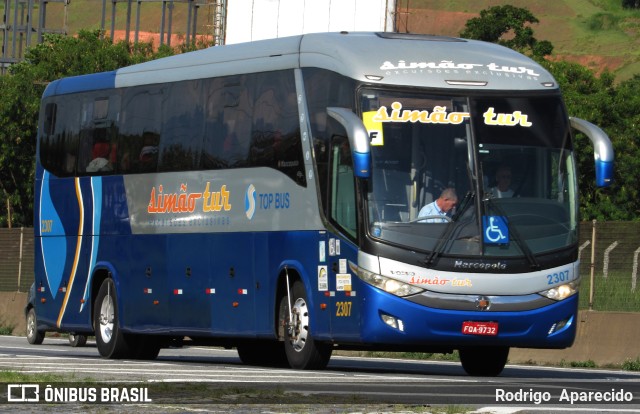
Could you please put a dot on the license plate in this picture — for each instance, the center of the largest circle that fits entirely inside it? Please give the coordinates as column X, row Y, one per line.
column 480, row 328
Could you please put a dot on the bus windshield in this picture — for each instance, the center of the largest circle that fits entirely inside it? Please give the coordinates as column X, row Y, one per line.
column 506, row 162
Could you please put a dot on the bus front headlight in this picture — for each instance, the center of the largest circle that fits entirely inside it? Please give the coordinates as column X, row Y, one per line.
column 562, row 291
column 388, row 284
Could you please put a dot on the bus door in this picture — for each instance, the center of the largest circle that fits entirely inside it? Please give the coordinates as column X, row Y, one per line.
column 342, row 250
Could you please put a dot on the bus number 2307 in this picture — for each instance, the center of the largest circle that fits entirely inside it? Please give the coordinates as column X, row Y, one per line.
column 343, row 308
column 562, row 276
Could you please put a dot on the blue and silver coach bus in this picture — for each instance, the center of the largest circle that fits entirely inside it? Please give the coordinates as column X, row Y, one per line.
column 266, row 196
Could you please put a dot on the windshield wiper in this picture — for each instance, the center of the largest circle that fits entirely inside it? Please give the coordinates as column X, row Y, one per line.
column 442, row 242
column 515, row 235
column 464, row 205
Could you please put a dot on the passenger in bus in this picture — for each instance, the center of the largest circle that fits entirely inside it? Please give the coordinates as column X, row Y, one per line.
column 503, row 183
column 442, row 206
column 101, row 155
column 148, row 158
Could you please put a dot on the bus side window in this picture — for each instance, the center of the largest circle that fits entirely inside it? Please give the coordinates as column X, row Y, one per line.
column 237, row 115
column 214, row 133
column 139, row 129
column 180, row 146
column 60, row 136
column 343, row 198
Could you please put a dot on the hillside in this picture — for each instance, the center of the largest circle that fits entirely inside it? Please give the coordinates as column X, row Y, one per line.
column 596, row 33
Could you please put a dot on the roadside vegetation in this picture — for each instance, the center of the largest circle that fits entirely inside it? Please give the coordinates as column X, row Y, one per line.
column 6, row 329
column 595, row 33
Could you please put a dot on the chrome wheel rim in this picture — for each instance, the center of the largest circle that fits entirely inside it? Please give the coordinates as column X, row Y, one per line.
column 31, row 325
column 300, row 324
column 107, row 315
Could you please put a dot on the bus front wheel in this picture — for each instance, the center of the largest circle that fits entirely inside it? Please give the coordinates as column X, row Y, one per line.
column 484, row 361
column 111, row 342
column 303, row 352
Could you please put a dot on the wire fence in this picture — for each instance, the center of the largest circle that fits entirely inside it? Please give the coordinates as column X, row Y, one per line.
column 609, row 255
column 16, row 259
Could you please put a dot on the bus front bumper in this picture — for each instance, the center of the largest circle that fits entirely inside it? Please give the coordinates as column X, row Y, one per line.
column 388, row 319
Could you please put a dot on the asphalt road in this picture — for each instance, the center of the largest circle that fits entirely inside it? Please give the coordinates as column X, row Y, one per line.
column 213, row 379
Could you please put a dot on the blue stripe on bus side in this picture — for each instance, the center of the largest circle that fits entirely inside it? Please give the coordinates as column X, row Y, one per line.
column 83, row 83
column 54, row 248
column 96, row 194
column 77, row 256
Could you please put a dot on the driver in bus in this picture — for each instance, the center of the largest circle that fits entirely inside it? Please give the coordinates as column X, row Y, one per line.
column 503, row 183
column 442, row 206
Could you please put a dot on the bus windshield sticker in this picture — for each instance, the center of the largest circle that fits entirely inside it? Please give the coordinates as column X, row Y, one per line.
column 374, row 128
column 512, row 119
column 439, row 115
column 495, row 230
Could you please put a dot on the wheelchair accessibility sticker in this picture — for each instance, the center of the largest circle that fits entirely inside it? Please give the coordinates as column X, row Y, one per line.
column 495, row 230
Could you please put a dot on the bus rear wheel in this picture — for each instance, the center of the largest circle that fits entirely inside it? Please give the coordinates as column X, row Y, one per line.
column 302, row 350
column 484, row 361
column 110, row 340
column 77, row 340
column 34, row 336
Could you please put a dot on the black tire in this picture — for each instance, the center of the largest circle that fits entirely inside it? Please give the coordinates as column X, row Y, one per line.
column 263, row 353
column 482, row 361
column 111, row 342
column 77, row 340
column 145, row 347
column 302, row 351
column 34, row 336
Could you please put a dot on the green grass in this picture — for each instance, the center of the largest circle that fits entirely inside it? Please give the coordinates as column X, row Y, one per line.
column 17, row 377
column 613, row 294
column 583, row 364
column 631, row 365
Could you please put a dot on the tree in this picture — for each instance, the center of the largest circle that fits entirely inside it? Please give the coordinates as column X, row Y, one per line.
column 616, row 109
column 509, row 26
column 58, row 56
column 631, row 4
